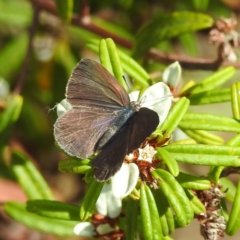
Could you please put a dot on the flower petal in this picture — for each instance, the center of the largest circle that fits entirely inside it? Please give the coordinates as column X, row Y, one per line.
column 125, row 180
column 84, row 229
column 104, row 228
column 172, row 74
column 63, row 107
column 158, row 97
column 107, row 204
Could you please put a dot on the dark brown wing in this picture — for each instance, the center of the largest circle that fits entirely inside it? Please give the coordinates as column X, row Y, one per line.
column 78, row 130
column 110, row 159
column 144, row 123
column 92, row 85
column 129, row 138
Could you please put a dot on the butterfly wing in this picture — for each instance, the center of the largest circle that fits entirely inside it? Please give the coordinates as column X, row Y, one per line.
column 96, row 97
column 110, row 159
column 78, row 130
column 92, row 85
column 129, row 138
column 144, row 123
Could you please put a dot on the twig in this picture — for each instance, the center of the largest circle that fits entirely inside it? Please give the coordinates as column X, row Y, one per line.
column 25, row 65
column 84, row 21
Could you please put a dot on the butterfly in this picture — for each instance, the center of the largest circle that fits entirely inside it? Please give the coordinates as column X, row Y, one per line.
column 102, row 119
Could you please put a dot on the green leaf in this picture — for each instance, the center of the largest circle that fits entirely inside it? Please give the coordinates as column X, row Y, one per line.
column 90, row 199
column 197, row 205
column 212, row 82
column 12, row 55
column 113, row 28
column 175, row 195
column 10, row 113
column 168, row 160
column 204, row 137
column 205, row 154
column 215, row 172
column 74, row 166
column 110, row 60
column 149, row 215
column 131, row 222
column 233, row 224
column 235, row 92
column 165, row 212
column 18, row 212
column 15, row 13
column 29, row 177
column 54, row 209
column 130, row 66
column 202, row 149
column 174, row 117
column 166, row 26
column 228, row 187
column 64, row 9
column 204, row 121
column 211, row 96
column 193, row 182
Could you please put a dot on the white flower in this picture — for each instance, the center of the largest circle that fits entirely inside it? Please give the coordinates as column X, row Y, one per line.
column 172, row 75
column 63, row 107
column 157, row 97
column 125, row 180
column 107, row 204
column 84, row 229
column 146, row 153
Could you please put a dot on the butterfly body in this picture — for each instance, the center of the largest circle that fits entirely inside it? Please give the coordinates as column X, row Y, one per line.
column 102, row 118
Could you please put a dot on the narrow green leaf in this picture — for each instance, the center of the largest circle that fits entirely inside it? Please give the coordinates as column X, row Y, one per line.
column 11, row 112
column 233, row 224
column 145, row 214
column 174, row 117
column 64, row 9
column 74, row 166
column 204, row 149
column 204, row 137
column 235, row 141
column 166, row 26
column 169, row 161
column 18, row 212
column 207, row 160
column 165, row 212
column 193, row 182
column 235, row 92
column 54, row 209
column 228, row 187
column 14, row 51
column 110, row 60
column 215, row 172
column 29, row 177
column 212, row 96
column 150, row 219
column 130, row 66
column 90, row 199
column 212, row 82
column 184, row 141
column 175, row 195
column 204, row 121
column 131, row 222
column 197, row 205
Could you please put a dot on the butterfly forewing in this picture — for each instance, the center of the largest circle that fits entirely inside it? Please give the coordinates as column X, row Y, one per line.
column 92, row 85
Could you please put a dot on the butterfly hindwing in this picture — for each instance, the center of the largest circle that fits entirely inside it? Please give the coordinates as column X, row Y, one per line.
column 78, row 130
